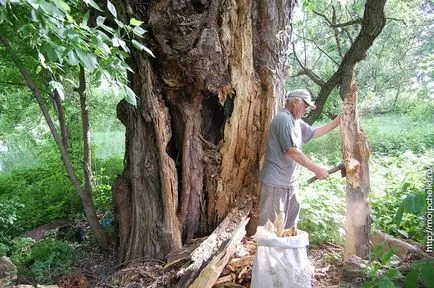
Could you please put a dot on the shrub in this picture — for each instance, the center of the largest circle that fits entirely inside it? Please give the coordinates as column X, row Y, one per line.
column 322, row 212
column 44, row 261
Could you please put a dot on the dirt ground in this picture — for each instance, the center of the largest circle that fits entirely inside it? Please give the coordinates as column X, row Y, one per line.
column 101, row 269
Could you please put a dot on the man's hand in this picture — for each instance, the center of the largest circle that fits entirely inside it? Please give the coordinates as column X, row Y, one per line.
column 321, row 173
column 337, row 120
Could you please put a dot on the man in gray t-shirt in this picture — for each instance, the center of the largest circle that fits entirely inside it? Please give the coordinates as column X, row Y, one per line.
column 283, row 157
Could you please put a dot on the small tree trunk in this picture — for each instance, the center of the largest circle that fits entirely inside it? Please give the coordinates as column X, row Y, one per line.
column 87, row 165
column 62, row 119
column 355, row 153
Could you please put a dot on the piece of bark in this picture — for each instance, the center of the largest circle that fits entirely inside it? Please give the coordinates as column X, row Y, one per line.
column 212, row 254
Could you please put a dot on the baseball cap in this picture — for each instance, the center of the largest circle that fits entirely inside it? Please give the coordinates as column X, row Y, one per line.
column 302, row 94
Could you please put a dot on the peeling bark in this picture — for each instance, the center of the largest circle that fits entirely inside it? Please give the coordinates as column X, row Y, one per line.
column 355, row 154
column 194, row 142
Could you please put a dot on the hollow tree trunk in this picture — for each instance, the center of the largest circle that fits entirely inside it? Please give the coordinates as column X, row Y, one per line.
column 355, row 153
column 194, row 141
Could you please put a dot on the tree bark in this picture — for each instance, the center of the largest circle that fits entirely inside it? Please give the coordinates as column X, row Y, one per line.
column 84, row 107
column 194, row 141
column 86, row 201
column 64, row 130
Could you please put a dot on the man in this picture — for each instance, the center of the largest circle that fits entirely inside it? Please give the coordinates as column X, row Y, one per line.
column 283, row 157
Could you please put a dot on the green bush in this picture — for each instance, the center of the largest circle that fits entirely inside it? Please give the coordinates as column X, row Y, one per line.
column 44, row 261
column 322, row 212
column 8, row 217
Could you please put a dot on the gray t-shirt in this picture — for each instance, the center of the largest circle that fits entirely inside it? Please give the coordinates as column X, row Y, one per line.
column 279, row 169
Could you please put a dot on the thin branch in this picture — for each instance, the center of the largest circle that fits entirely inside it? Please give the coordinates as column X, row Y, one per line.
column 336, row 33
column 349, row 36
column 349, row 23
column 309, row 73
column 396, row 19
column 338, row 25
column 319, row 48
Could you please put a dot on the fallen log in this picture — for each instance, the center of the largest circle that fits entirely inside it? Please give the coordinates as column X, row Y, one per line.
column 402, row 249
column 208, row 260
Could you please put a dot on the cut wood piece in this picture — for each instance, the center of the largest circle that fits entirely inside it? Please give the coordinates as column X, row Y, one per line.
column 209, row 275
column 212, row 254
column 228, row 278
column 182, row 254
column 241, row 262
column 402, row 249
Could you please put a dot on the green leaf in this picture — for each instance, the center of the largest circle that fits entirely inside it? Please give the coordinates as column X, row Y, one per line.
column 72, row 58
column 135, row 22
column 130, row 96
column 120, row 24
column 399, row 213
column 387, row 255
column 100, row 20
column 393, row 274
column 412, row 280
column 104, row 48
column 92, row 4
column 414, row 203
column 139, row 31
column 88, row 60
column 42, row 60
column 54, row 85
column 427, row 274
column 124, row 45
column 140, row 46
column 85, row 19
column 378, row 250
column 386, row 283
column 112, row 9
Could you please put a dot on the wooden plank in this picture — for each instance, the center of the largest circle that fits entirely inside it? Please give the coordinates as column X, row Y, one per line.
column 213, row 250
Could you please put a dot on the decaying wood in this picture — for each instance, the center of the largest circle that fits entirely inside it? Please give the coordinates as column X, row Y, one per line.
column 355, row 148
column 209, row 259
column 402, row 249
column 355, row 154
column 194, row 141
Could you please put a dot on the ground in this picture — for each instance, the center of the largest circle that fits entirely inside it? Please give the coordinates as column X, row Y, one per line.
column 101, row 269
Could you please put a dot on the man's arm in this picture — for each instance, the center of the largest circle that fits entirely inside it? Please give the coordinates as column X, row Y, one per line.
column 300, row 158
column 323, row 130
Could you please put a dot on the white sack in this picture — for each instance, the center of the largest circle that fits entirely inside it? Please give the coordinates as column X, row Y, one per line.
column 281, row 262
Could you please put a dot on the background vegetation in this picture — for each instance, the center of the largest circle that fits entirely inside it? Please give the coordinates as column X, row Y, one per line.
column 397, row 111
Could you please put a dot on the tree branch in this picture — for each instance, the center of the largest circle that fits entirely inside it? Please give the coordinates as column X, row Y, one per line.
column 338, row 25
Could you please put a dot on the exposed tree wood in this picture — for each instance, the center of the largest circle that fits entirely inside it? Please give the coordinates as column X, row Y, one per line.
column 355, row 154
column 402, row 249
column 194, row 142
column 210, row 273
column 212, row 255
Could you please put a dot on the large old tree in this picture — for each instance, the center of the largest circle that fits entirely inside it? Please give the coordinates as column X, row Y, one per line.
column 193, row 142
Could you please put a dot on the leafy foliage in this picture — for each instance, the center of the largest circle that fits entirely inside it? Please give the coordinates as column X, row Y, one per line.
column 44, row 261
column 380, row 268
column 323, row 211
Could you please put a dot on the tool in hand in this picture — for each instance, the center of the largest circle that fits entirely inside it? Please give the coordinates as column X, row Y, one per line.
column 339, row 167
